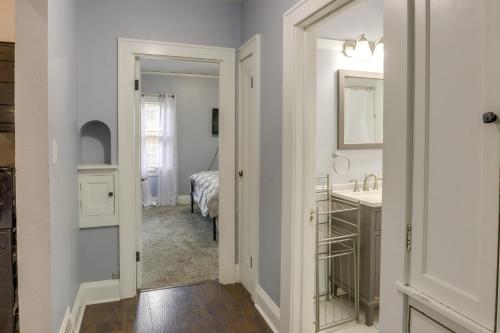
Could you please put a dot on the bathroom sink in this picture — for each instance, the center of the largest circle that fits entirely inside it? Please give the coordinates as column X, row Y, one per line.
column 367, row 198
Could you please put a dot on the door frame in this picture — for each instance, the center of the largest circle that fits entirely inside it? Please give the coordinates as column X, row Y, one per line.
column 130, row 201
column 251, row 48
column 296, row 167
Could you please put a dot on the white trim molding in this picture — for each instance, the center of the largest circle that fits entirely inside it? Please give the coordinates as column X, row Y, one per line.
column 129, row 53
column 93, row 293
column 197, row 76
column 267, row 308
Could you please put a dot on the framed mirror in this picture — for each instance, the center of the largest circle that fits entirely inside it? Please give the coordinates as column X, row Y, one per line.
column 360, row 110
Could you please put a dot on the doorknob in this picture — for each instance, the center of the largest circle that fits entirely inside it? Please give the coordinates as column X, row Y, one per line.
column 240, row 173
column 489, row 117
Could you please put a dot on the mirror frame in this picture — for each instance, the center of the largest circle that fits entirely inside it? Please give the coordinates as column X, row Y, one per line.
column 342, row 74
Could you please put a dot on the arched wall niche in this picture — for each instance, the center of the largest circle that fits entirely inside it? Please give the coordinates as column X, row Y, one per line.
column 95, row 142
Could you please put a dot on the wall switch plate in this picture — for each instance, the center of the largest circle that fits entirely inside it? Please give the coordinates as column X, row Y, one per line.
column 54, row 152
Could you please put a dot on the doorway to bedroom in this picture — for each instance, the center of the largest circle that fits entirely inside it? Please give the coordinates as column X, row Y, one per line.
column 179, row 111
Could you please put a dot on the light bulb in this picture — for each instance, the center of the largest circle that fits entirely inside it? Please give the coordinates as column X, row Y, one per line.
column 362, row 51
column 378, row 53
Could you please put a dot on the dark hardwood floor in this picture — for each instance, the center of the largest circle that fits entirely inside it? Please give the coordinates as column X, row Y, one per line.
column 208, row 307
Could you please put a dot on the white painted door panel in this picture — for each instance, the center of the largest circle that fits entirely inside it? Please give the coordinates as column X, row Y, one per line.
column 455, row 183
column 98, row 195
column 420, row 323
column 138, row 175
column 248, row 212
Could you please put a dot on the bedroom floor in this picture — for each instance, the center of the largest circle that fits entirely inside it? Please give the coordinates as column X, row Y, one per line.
column 178, row 248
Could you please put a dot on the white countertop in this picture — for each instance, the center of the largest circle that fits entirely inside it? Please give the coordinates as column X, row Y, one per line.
column 367, row 198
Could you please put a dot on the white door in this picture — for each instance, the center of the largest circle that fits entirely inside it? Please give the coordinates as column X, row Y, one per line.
column 455, row 158
column 249, row 164
column 98, row 195
column 138, row 183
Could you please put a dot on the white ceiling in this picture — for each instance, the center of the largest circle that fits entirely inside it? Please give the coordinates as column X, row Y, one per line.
column 179, row 66
column 360, row 17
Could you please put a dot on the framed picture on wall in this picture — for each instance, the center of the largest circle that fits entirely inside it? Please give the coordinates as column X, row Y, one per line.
column 215, row 122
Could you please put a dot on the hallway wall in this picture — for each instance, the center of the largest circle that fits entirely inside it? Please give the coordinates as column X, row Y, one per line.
column 209, row 22
column 266, row 18
column 7, row 21
column 63, row 130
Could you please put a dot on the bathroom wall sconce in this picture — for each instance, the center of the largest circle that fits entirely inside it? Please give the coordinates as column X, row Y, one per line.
column 363, row 49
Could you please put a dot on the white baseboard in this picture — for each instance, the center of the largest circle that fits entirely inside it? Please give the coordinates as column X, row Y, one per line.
column 93, row 293
column 184, row 199
column 67, row 324
column 237, row 277
column 267, row 308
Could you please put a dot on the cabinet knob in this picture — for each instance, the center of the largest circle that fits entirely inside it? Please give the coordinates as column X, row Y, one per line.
column 489, row 117
column 110, row 194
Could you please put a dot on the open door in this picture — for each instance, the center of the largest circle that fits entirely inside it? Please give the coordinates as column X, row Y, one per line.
column 138, row 180
column 249, row 164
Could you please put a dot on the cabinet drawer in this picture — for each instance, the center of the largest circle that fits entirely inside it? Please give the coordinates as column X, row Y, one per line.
column 420, row 323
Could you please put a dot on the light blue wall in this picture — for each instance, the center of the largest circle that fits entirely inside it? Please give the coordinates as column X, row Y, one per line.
column 62, row 92
column 266, row 18
column 209, row 22
column 194, row 99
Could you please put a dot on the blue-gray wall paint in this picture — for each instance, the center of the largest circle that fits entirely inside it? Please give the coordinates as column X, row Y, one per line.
column 194, row 99
column 62, row 93
column 98, row 253
column 207, row 22
column 266, row 18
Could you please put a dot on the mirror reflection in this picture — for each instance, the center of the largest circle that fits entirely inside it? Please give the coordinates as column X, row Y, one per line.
column 360, row 110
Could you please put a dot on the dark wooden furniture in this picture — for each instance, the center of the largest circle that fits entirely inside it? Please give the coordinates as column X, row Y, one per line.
column 7, row 87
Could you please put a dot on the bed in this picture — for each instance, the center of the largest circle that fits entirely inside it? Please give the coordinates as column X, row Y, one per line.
column 205, row 193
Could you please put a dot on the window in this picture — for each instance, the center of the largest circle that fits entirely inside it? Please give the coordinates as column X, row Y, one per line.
column 152, row 134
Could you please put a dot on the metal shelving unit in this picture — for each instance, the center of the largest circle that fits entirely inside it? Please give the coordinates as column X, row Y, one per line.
column 336, row 258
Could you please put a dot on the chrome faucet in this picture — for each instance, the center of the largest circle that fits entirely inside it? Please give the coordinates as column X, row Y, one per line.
column 367, row 178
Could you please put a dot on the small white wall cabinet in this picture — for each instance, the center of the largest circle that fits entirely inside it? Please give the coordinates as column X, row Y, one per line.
column 98, row 187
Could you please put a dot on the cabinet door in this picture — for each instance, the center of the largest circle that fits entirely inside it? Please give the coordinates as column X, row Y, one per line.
column 97, row 195
column 420, row 323
column 455, row 155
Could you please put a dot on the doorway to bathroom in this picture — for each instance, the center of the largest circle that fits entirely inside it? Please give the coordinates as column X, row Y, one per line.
column 430, row 208
column 349, row 59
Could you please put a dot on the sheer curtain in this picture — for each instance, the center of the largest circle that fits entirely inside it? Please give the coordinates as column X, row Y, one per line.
column 167, row 173
column 147, row 198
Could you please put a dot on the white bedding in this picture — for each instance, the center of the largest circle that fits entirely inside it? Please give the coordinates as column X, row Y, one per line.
column 206, row 192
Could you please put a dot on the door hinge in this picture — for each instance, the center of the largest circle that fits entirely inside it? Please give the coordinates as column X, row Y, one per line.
column 408, row 237
column 136, row 85
column 137, row 256
column 251, row 262
column 251, row 82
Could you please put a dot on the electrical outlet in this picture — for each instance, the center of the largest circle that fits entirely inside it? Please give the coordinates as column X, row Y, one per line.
column 115, row 276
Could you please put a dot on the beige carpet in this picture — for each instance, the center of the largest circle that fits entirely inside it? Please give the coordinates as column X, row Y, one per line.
column 178, row 248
